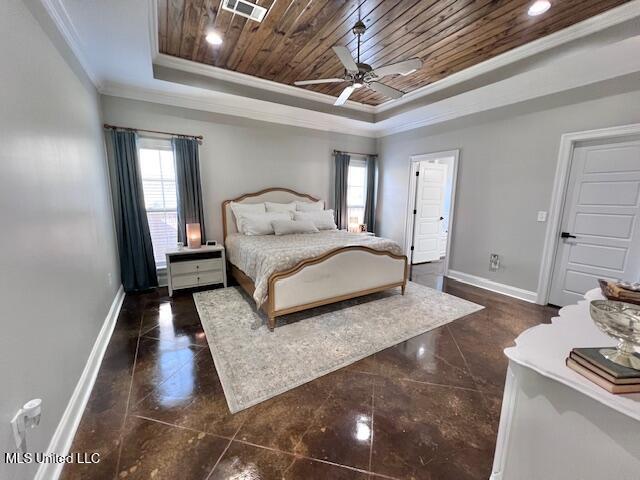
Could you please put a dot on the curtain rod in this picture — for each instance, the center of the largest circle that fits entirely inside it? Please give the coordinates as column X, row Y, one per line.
column 335, row 152
column 197, row 137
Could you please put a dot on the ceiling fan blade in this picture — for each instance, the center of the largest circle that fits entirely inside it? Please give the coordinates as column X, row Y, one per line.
column 385, row 90
column 345, row 57
column 403, row 68
column 321, row 80
column 344, row 96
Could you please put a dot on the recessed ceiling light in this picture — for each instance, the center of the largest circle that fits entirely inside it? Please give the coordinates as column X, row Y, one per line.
column 539, row 7
column 213, row 38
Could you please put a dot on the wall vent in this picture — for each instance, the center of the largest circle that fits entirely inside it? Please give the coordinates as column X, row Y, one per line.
column 246, row 9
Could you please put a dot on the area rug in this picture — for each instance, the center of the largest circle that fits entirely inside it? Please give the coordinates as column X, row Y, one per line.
column 254, row 364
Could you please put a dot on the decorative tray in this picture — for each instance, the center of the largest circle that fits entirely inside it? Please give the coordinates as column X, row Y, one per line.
column 615, row 291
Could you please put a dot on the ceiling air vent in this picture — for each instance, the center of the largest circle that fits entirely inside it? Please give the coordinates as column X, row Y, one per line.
column 246, row 9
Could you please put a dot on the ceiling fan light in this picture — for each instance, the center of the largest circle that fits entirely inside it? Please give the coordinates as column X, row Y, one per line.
column 539, row 7
column 214, row 38
column 357, row 85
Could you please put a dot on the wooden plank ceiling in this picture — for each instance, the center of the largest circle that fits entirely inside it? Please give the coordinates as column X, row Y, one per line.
column 294, row 41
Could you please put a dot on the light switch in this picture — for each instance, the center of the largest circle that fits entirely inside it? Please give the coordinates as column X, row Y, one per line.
column 542, row 216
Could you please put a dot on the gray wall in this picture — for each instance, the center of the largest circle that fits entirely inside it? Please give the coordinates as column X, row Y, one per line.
column 240, row 155
column 507, row 166
column 57, row 245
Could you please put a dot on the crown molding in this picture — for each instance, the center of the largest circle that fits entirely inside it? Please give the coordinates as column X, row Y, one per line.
column 613, row 61
column 58, row 13
column 592, row 25
column 587, row 27
column 218, row 73
column 215, row 102
column 250, row 81
column 616, row 60
column 154, row 48
column 474, row 101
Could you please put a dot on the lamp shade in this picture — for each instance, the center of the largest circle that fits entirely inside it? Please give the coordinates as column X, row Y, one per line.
column 194, row 239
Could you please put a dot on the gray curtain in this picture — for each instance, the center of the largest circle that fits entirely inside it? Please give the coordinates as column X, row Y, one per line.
column 137, row 265
column 340, row 202
column 370, row 203
column 188, row 186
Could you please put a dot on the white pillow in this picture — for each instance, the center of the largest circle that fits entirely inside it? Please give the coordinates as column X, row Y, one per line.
column 241, row 209
column 288, row 227
column 309, row 206
column 323, row 219
column 280, row 207
column 260, row 223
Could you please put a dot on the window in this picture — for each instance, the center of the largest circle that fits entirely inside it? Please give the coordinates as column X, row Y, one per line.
column 159, row 185
column 356, row 193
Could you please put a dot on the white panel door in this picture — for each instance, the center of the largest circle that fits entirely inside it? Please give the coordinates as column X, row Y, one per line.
column 600, row 223
column 429, row 204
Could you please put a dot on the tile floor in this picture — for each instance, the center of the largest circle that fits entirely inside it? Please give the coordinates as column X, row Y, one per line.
column 427, row 408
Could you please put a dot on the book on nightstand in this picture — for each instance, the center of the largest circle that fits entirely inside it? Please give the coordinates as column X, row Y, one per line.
column 614, row 378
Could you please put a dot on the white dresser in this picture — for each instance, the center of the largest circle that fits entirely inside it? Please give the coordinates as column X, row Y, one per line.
column 556, row 424
column 198, row 267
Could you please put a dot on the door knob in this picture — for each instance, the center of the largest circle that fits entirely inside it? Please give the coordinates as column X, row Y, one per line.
column 441, row 218
column 567, row 235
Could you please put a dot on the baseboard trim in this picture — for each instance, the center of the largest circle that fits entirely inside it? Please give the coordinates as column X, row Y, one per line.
column 487, row 284
column 66, row 430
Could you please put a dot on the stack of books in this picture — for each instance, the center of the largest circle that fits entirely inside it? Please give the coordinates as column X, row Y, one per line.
column 614, row 378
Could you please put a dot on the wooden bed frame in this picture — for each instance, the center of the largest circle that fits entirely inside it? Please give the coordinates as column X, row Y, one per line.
column 340, row 274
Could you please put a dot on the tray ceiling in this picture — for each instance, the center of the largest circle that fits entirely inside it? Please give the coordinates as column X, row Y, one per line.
column 294, row 41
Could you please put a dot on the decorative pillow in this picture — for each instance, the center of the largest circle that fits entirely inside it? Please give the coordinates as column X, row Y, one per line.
column 323, row 219
column 241, row 209
column 309, row 206
column 280, row 207
column 260, row 223
column 288, row 227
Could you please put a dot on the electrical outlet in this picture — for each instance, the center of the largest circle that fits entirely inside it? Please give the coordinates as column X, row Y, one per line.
column 27, row 417
column 110, row 279
column 494, row 262
column 542, row 216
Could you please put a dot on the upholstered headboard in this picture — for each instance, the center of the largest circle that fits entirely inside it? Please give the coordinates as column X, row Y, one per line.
column 276, row 195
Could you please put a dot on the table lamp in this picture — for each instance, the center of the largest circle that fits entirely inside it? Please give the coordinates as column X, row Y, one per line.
column 194, row 239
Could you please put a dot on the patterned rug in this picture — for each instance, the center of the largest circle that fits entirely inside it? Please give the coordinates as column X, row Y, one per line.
column 254, row 364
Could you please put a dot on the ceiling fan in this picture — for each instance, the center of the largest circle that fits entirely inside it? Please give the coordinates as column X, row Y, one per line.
column 363, row 75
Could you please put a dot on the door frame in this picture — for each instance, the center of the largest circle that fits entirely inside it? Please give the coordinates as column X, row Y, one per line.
column 556, row 210
column 414, row 161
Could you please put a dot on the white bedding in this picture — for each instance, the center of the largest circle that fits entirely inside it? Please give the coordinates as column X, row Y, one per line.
column 260, row 256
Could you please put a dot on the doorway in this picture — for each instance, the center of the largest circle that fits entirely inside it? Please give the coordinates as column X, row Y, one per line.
column 429, row 216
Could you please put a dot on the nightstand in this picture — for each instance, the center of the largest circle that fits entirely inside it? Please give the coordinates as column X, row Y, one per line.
column 367, row 234
column 197, row 267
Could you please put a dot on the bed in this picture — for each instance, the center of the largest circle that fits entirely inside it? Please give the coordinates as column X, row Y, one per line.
column 290, row 273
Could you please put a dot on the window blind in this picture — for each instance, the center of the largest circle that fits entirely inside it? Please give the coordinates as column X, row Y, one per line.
column 356, row 192
column 157, row 170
